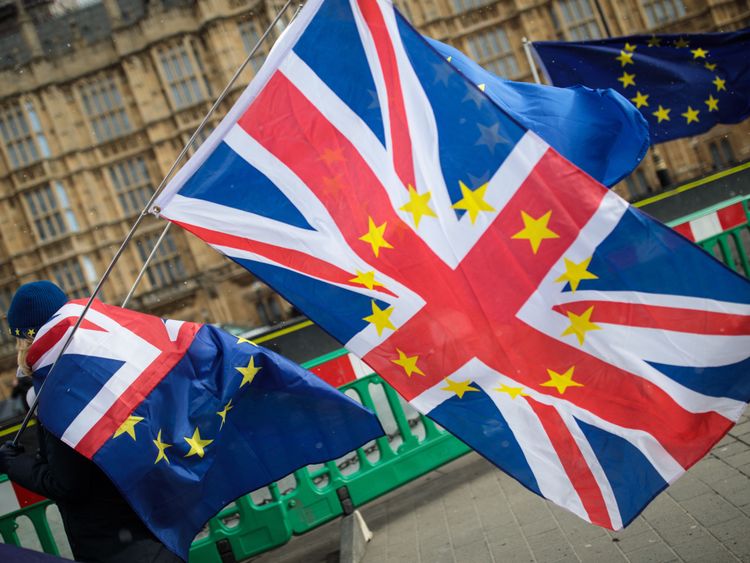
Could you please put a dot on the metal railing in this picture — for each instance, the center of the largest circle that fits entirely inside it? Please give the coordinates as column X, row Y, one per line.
column 730, row 246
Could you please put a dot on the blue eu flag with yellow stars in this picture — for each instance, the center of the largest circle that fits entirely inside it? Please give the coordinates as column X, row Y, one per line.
column 682, row 84
column 185, row 418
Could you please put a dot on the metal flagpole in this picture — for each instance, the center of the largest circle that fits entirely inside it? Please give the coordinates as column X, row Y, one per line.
column 146, row 264
column 532, row 63
column 138, row 221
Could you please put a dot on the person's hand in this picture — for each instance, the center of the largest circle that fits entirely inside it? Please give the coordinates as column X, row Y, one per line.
column 7, row 452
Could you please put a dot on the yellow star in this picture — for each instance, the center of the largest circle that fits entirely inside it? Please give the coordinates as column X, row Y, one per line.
column 561, row 381
column 473, row 201
column 574, row 273
column 629, row 47
column 458, row 387
column 197, row 445
column 712, row 103
column 581, row 324
column 249, row 372
column 691, row 115
column 625, row 58
column 18, row 332
column 381, row 318
column 449, row 59
column 720, row 84
column 409, row 363
column 681, row 43
column 654, row 41
column 640, row 100
column 482, row 87
column 162, row 446
column 710, row 66
column 223, row 413
column 241, row 340
column 330, row 156
column 627, row 79
column 512, row 391
column 30, row 333
column 375, row 236
column 662, row 114
column 699, row 53
column 535, row 230
column 367, row 279
column 418, row 206
column 128, row 427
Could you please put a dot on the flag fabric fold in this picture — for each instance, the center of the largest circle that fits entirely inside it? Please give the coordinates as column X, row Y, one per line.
column 599, row 130
column 682, row 84
column 587, row 350
column 185, row 418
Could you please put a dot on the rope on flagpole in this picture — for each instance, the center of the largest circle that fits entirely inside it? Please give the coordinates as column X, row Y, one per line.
column 141, row 217
column 150, row 257
column 532, row 62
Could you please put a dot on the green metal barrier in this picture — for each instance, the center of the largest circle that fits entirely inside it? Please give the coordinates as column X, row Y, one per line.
column 313, row 499
column 37, row 514
column 732, row 246
column 310, row 497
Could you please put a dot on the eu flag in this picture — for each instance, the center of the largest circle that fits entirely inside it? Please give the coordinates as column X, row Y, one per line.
column 682, row 84
column 184, row 418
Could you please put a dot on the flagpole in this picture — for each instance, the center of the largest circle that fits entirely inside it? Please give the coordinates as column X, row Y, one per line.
column 141, row 217
column 146, row 264
column 532, row 63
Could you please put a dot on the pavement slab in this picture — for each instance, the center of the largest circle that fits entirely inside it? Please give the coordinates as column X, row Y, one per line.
column 470, row 512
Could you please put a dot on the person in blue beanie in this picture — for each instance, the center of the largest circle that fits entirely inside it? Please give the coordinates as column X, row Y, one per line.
column 100, row 525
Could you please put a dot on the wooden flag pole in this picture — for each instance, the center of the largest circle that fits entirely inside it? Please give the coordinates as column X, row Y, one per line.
column 141, row 217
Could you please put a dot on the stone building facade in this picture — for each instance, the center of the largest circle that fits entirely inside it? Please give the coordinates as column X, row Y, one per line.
column 98, row 98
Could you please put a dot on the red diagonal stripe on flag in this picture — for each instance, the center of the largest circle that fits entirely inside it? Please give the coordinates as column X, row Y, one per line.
column 399, row 124
column 299, row 134
column 293, row 259
column 575, row 465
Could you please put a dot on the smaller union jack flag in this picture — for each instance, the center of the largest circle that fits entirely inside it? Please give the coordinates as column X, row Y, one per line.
column 184, row 417
column 585, row 349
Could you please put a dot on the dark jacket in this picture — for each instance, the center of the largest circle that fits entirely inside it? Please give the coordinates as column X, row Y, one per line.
column 99, row 523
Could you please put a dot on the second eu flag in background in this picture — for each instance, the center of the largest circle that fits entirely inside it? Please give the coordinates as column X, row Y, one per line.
column 185, row 418
column 683, row 84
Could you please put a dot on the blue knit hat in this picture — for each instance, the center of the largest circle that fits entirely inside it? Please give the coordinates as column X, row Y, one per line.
column 32, row 306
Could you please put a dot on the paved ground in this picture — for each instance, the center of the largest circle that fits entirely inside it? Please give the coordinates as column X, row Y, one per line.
column 469, row 512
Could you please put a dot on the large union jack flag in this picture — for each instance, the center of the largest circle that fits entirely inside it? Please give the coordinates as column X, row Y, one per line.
column 585, row 349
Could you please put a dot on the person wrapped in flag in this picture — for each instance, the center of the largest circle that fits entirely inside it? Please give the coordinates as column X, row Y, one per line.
column 99, row 523
column 178, row 418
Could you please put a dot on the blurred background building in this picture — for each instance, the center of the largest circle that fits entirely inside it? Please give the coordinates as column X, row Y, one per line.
column 98, row 98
